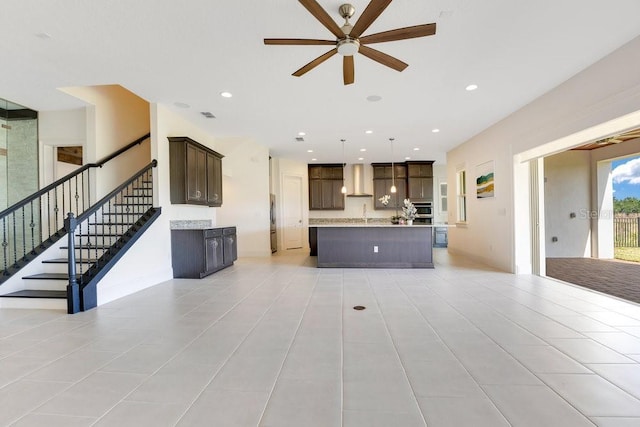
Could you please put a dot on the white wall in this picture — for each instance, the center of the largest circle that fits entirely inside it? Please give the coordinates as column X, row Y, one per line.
column 602, row 99
column 148, row 262
column 567, row 191
column 58, row 129
column 245, row 205
column 114, row 118
column 246, row 194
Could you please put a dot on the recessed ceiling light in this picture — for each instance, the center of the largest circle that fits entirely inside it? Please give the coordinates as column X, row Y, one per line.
column 471, row 87
column 407, row 158
column 363, row 149
column 374, row 98
column 301, row 133
column 313, row 160
column 435, row 130
column 181, row 105
column 416, row 149
column 360, row 158
column 226, row 94
column 309, row 151
column 368, row 132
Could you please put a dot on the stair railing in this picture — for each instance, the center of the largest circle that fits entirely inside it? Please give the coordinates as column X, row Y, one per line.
column 98, row 236
column 33, row 224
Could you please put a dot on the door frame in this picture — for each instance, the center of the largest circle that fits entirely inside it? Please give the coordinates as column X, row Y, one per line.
column 283, row 200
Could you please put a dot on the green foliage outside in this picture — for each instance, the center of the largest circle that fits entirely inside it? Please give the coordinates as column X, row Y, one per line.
column 627, row 254
column 627, row 205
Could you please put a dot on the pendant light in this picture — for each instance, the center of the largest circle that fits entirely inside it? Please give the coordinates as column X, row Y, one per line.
column 393, row 172
column 343, row 190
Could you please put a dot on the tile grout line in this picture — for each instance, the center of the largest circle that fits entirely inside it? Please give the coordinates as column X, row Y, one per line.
column 399, row 359
column 284, row 360
column 264, row 282
column 238, row 346
column 508, row 353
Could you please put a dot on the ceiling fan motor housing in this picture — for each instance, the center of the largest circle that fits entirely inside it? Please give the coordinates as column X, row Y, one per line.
column 348, row 46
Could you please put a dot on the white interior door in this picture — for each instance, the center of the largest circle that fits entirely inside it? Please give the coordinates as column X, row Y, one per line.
column 292, row 211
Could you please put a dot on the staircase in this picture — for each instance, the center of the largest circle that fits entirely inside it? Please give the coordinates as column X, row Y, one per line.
column 96, row 238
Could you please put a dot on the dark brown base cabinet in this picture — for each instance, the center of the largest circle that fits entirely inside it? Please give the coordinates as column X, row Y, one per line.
column 198, row 253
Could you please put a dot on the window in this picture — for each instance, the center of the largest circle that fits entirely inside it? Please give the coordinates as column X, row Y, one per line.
column 462, row 195
column 443, row 197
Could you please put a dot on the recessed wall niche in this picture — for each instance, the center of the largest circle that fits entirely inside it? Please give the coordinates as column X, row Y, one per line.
column 71, row 154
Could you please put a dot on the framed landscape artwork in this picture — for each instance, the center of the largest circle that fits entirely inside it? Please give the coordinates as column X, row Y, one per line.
column 484, row 180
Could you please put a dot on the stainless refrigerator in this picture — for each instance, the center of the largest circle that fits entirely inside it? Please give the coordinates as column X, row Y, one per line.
column 272, row 224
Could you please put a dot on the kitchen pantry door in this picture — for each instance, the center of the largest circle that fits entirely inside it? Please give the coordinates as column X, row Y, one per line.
column 292, row 210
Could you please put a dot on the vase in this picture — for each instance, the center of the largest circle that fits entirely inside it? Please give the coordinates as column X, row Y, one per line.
column 409, row 222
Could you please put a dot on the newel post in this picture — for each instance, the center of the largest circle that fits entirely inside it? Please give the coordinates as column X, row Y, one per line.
column 73, row 290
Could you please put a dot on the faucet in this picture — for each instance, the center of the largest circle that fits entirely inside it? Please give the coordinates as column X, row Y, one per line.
column 364, row 212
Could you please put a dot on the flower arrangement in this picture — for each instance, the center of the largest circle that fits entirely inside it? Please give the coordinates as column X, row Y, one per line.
column 409, row 210
column 385, row 199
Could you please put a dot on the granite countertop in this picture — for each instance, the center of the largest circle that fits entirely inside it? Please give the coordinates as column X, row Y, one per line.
column 197, row 224
column 363, row 225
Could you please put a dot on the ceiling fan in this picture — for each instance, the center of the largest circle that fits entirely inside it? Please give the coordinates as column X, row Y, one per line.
column 349, row 39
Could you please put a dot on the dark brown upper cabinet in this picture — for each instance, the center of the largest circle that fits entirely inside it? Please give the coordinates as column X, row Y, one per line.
column 383, row 179
column 420, row 181
column 195, row 173
column 325, row 185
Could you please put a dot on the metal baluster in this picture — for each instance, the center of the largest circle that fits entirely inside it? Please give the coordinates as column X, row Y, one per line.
column 84, row 191
column 95, row 217
column 77, row 196
column 5, row 244
column 48, row 213
column 89, row 186
column 64, row 210
column 15, row 244
column 56, row 208
column 32, row 224
column 24, row 233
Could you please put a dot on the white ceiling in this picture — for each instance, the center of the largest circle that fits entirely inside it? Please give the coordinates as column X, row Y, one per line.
column 188, row 52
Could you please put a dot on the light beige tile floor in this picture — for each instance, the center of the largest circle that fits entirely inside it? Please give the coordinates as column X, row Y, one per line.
column 276, row 342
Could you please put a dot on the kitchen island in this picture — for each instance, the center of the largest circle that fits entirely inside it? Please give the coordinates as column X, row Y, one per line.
column 374, row 245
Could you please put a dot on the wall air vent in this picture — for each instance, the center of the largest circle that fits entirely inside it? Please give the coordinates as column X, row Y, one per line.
column 299, row 139
column 208, row 115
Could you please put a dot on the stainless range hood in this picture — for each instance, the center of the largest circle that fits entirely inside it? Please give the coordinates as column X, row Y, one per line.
column 358, row 181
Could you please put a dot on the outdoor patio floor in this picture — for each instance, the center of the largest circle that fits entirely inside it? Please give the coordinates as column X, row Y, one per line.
column 612, row 277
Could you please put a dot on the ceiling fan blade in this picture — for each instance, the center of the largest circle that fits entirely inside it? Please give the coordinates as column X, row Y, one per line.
column 313, row 64
column 400, row 34
column 383, row 58
column 298, row 42
column 321, row 15
column 348, row 70
column 370, row 14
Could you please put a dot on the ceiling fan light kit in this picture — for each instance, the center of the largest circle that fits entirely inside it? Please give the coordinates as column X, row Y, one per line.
column 348, row 37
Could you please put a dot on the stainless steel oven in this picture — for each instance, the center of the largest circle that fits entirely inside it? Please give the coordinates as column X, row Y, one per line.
column 424, row 213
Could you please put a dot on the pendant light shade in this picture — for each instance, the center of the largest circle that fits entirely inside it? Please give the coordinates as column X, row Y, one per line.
column 343, row 190
column 393, row 172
